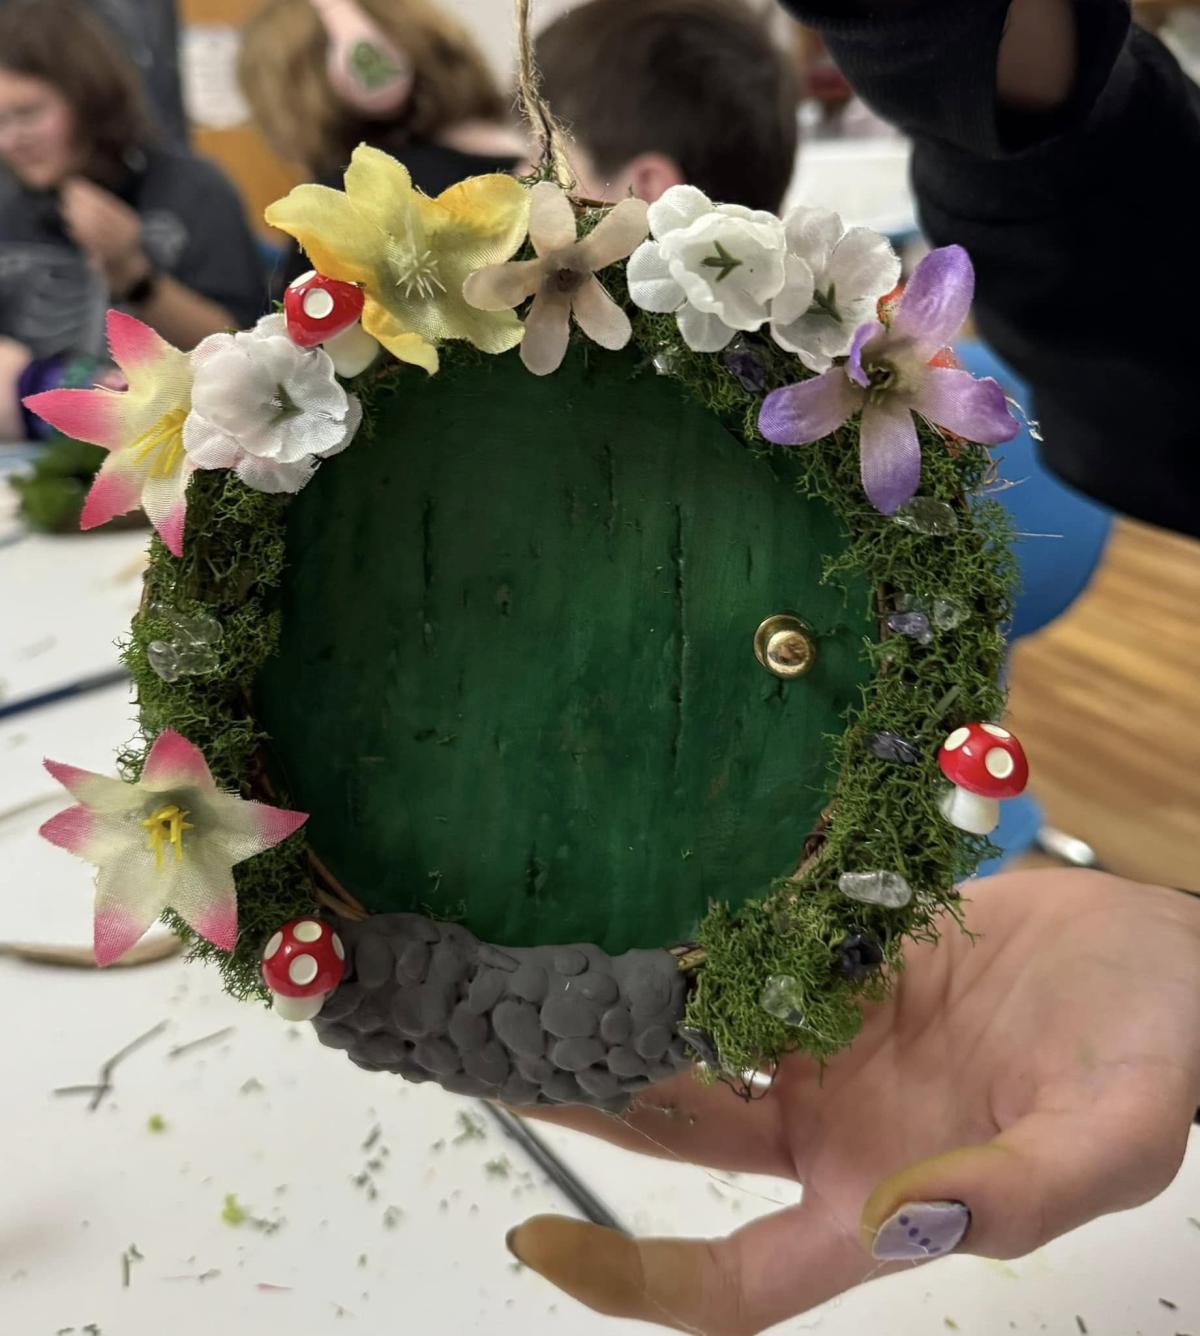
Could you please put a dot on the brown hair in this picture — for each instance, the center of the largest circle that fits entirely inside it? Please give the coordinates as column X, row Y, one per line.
column 283, row 74
column 62, row 43
column 701, row 81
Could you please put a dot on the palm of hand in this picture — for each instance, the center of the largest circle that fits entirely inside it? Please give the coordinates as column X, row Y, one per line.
column 1043, row 1073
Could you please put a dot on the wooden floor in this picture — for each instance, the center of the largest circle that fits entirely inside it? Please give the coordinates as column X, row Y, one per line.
column 1107, row 703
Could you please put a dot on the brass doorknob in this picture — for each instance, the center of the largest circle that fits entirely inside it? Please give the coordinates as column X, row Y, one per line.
column 785, row 646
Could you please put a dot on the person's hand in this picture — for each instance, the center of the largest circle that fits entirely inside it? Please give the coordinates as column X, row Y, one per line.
column 1012, row 1089
column 14, row 358
column 107, row 230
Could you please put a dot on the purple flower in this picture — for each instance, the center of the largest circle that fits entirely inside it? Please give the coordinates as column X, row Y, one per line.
column 888, row 377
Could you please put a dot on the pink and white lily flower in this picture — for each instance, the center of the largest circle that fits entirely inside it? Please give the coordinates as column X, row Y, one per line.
column 892, row 373
column 169, row 841
column 141, row 428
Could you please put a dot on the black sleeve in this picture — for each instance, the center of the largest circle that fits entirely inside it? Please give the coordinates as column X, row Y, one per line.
column 1081, row 226
column 221, row 259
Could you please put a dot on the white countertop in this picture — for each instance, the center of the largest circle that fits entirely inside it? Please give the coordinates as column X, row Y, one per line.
column 268, row 1115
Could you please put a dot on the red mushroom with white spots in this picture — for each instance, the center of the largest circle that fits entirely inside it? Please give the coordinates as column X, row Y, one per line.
column 985, row 763
column 327, row 312
column 302, row 964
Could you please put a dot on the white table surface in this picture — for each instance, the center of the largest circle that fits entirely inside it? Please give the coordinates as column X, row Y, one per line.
column 269, row 1115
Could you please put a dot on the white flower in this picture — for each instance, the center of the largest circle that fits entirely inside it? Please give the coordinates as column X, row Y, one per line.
column 835, row 279
column 716, row 266
column 267, row 408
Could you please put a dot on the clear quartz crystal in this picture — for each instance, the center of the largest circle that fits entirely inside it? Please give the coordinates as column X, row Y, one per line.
column 889, row 746
column 665, row 361
column 927, row 515
column 188, row 630
column 197, row 659
column 783, row 997
column 164, row 659
column 947, row 613
column 914, row 625
column 887, row 889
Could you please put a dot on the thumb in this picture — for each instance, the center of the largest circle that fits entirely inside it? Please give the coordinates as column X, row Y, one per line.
column 1047, row 1174
column 771, row 1270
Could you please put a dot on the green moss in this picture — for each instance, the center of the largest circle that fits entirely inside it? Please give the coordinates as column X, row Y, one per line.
column 884, row 816
column 232, row 562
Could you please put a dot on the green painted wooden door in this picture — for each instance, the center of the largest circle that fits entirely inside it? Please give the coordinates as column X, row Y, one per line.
column 516, row 683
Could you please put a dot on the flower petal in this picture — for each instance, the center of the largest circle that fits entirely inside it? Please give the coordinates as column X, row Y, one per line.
column 94, row 416
column 863, row 335
column 89, row 835
column 676, row 207
column 484, row 218
column 338, row 240
column 244, row 829
column 651, row 284
column 500, row 287
column 794, row 299
column 546, row 331
column 380, row 189
column 135, row 347
column 215, row 918
column 102, row 793
column 116, row 489
column 71, row 829
column 936, row 301
column 175, row 763
column 274, row 476
column 600, row 318
column 702, row 332
column 809, row 410
column 164, row 499
column 551, row 218
column 974, row 409
column 200, row 889
column 131, row 893
column 402, row 343
column 622, row 229
column 863, row 266
column 812, row 234
column 207, row 446
column 889, row 455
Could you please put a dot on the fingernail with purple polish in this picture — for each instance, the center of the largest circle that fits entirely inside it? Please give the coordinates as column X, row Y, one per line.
column 921, row 1229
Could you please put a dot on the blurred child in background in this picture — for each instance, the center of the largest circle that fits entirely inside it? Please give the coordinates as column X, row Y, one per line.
column 659, row 92
column 450, row 122
column 94, row 213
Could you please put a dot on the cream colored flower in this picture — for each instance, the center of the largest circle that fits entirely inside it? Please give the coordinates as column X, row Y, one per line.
column 562, row 279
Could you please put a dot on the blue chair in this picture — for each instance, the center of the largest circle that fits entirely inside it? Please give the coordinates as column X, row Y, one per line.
column 1054, row 571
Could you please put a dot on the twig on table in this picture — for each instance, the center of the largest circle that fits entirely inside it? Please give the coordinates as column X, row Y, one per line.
column 98, row 1089
column 128, row 1257
column 106, row 1071
column 217, row 1035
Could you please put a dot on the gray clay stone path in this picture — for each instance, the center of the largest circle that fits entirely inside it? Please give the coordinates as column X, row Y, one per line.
column 525, row 1025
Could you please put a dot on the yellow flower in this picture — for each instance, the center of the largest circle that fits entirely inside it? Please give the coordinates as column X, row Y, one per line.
column 411, row 253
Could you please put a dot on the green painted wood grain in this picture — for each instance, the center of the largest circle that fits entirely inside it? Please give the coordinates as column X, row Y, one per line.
column 516, row 682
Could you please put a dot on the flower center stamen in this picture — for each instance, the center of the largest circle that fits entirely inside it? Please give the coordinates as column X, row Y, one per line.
column 415, row 273
column 166, row 826
column 722, row 260
column 881, row 380
column 162, row 444
column 825, row 303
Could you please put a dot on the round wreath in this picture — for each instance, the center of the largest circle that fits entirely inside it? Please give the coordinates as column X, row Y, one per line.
column 789, row 337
